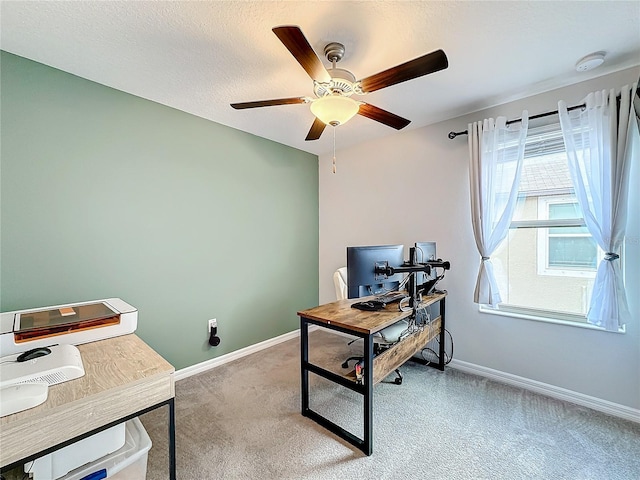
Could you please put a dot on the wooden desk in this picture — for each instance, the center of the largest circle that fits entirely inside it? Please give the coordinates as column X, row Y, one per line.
column 341, row 317
column 123, row 378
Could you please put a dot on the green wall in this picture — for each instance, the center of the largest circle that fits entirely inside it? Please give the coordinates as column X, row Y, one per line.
column 104, row 194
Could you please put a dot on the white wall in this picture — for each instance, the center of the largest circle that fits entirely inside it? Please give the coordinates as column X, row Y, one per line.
column 413, row 186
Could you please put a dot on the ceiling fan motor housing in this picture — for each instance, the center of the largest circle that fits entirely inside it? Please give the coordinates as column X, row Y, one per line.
column 343, row 82
column 334, row 51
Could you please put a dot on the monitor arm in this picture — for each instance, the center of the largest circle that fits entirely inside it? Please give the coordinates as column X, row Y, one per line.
column 439, row 263
column 411, row 269
column 418, row 267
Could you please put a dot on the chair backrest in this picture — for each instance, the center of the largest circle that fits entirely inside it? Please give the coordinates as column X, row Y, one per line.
column 340, row 282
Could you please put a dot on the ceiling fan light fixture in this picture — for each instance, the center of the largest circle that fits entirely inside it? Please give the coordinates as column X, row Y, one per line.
column 334, row 110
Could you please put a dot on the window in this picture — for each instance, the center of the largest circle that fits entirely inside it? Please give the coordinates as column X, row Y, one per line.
column 547, row 265
column 568, row 251
column 569, row 247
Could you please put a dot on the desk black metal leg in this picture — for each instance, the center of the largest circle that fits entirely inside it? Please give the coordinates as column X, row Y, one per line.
column 304, row 359
column 172, row 439
column 441, row 363
column 368, row 396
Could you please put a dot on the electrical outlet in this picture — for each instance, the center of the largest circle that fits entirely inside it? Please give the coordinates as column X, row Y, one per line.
column 213, row 323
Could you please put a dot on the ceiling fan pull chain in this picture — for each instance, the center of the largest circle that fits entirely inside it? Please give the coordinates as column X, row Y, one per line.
column 334, row 149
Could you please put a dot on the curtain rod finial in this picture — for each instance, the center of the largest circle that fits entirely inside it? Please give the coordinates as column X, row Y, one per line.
column 453, row 135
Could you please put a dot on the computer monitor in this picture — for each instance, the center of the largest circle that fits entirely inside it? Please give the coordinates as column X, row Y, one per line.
column 425, row 251
column 361, row 263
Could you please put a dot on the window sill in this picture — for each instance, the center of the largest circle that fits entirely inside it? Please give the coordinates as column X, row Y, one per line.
column 565, row 272
column 539, row 318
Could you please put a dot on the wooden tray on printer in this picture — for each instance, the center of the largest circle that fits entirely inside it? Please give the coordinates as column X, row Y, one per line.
column 58, row 321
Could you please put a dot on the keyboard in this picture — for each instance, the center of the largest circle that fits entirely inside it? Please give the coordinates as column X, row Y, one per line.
column 391, row 297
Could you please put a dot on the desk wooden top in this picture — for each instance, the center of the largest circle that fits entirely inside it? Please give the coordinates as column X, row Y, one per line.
column 123, row 375
column 342, row 315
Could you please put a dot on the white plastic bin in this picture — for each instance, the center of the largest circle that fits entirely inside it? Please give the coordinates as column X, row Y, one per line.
column 61, row 462
column 128, row 463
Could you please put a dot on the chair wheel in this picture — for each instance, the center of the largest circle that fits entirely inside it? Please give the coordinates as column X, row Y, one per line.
column 398, row 381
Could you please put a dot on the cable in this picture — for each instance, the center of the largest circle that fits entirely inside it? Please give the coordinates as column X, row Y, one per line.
column 404, row 281
column 423, row 312
column 447, row 357
column 388, row 290
column 406, row 307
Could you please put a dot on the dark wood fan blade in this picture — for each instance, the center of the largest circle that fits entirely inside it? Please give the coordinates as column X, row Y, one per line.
column 379, row 115
column 429, row 63
column 268, row 103
column 316, row 130
column 293, row 38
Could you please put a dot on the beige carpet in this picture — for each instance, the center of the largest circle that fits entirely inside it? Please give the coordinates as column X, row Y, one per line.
column 242, row 421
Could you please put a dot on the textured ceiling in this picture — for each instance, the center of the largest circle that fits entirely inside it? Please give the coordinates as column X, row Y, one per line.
column 201, row 56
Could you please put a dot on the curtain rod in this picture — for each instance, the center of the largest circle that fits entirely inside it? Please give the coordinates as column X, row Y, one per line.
column 453, row 135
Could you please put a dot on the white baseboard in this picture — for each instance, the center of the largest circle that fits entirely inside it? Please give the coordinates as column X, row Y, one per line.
column 594, row 403
column 229, row 357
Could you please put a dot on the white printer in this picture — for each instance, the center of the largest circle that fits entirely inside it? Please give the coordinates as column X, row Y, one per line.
column 72, row 324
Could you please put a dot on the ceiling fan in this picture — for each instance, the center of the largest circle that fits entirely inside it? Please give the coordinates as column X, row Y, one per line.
column 333, row 88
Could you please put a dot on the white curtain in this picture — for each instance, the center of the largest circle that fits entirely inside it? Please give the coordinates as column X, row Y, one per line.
column 600, row 144
column 495, row 153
